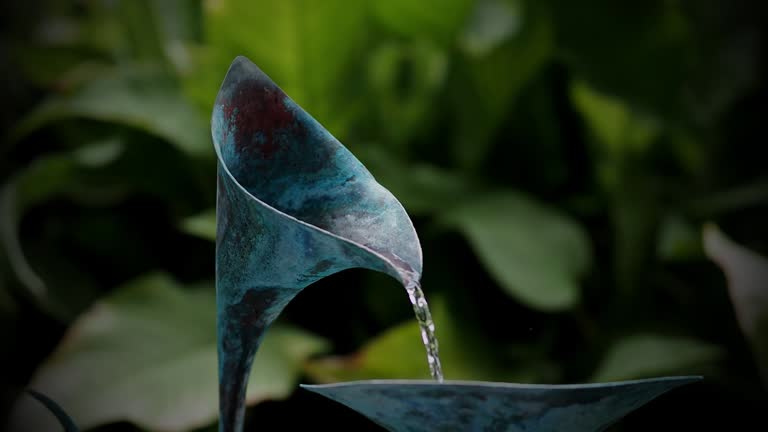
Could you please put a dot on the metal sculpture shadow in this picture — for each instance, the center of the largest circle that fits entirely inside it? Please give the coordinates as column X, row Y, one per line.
column 294, row 206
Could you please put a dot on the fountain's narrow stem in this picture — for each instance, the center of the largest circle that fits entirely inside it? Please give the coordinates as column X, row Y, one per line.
column 241, row 326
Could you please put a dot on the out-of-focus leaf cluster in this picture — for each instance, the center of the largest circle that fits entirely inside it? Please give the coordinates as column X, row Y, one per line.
column 559, row 160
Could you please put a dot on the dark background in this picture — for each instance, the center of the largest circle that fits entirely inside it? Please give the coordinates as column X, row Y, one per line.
column 626, row 126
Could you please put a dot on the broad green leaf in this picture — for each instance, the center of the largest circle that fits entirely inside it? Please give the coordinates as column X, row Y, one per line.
column 747, row 276
column 490, row 83
column 439, row 20
column 648, row 355
column 305, row 46
column 147, row 354
column 534, row 252
column 143, row 100
column 398, row 353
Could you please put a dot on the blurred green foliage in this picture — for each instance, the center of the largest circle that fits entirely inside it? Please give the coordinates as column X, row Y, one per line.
column 559, row 160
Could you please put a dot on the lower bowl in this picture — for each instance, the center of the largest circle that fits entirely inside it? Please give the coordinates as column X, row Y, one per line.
column 416, row 405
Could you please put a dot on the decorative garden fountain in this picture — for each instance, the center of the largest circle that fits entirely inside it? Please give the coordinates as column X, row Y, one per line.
column 295, row 206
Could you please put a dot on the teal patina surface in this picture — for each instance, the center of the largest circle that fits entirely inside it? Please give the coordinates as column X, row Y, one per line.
column 293, row 206
column 460, row 406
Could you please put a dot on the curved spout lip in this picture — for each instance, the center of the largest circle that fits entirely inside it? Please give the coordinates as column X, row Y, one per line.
column 681, row 380
column 400, row 272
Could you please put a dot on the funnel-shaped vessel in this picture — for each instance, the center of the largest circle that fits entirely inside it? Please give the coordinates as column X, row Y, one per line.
column 293, row 206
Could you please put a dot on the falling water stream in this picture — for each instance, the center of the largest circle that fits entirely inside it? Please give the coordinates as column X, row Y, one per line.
column 427, row 327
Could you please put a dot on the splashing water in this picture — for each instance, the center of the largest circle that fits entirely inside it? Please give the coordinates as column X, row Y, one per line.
column 427, row 327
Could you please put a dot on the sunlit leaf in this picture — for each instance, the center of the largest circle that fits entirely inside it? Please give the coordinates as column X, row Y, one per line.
column 747, row 276
column 147, row 354
column 534, row 252
column 647, row 355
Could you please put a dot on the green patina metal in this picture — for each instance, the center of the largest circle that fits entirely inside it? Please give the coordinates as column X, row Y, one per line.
column 425, row 406
column 293, row 206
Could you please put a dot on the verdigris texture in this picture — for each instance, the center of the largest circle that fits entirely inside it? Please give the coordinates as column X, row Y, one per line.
column 293, row 206
column 422, row 406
